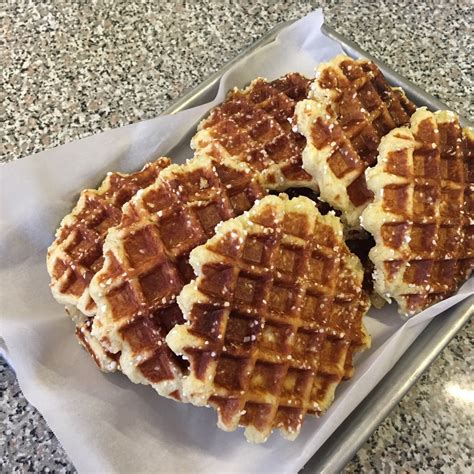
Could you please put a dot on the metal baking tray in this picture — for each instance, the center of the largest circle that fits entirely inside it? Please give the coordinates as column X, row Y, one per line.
column 354, row 431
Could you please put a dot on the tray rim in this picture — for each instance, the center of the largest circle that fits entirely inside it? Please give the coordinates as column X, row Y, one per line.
column 341, row 446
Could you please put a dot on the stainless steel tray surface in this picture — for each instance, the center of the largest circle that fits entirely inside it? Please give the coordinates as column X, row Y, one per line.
column 354, row 431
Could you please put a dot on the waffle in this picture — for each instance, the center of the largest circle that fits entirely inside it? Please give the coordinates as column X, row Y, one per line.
column 422, row 217
column 273, row 318
column 350, row 108
column 254, row 126
column 105, row 360
column 146, row 263
column 76, row 253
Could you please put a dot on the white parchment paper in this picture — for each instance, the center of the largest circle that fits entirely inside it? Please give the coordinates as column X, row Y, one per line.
column 105, row 422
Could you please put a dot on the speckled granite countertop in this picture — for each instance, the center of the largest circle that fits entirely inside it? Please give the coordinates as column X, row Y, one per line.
column 70, row 71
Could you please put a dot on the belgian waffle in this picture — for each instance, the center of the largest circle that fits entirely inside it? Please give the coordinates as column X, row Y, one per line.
column 105, row 360
column 146, row 263
column 350, row 108
column 254, row 126
column 273, row 318
column 76, row 253
column 422, row 217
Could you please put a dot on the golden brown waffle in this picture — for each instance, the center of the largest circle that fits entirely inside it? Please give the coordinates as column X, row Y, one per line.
column 274, row 317
column 422, row 217
column 105, row 360
column 254, row 126
column 146, row 263
column 76, row 253
column 351, row 107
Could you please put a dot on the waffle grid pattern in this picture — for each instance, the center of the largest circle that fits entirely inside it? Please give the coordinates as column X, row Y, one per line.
column 351, row 107
column 76, row 253
column 254, row 126
column 146, row 263
column 423, row 214
column 274, row 317
column 105, row 360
